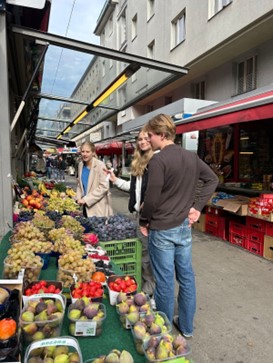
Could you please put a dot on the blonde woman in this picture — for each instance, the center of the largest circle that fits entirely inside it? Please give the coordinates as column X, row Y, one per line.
column 137, row 187
column 93, row 188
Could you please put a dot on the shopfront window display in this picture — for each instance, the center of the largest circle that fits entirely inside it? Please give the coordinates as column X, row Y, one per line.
column 240, row 153
column 216, row 148
column 256, row 152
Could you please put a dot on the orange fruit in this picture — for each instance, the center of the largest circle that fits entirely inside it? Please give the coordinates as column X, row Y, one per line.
column 99, row 276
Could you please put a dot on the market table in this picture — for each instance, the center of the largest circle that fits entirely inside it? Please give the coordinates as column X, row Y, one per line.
column 113, row 336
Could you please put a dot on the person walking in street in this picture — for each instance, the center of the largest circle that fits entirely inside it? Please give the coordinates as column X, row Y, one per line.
column 48, row 167
column 137, row 186
column 93, row 187
column 61, row 168
column 170, row 208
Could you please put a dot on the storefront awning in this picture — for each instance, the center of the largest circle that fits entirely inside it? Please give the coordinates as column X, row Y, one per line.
column 256, row 107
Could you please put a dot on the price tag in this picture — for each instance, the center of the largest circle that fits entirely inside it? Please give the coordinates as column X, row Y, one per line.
column 85, row 328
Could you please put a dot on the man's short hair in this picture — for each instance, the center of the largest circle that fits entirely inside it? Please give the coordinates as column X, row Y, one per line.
column 162, row 124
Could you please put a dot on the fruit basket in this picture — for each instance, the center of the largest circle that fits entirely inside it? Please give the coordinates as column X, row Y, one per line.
column 86, row 319
column 166, row 348
column 62, row 349
column 114, row 355
column 42, row 317
column 120, row 283
column 150, row 324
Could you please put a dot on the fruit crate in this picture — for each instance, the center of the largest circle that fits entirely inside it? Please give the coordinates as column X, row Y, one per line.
column 126, row 254
column 128, row 249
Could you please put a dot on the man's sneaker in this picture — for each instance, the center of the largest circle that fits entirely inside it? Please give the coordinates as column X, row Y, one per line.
column 176, row 324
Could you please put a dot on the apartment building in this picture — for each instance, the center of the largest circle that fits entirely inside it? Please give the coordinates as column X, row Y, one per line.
column 226, row 44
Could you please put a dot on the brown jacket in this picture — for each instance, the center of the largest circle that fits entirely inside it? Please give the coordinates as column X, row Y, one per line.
column 98, row 201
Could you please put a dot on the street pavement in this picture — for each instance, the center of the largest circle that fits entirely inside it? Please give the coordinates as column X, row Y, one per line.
column 234, row 319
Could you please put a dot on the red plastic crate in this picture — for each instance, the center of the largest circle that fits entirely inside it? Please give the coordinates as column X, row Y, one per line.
column 255, row 247
column 215, row 211
column 237, row 228
column 255, row 236
column 269, row 229
column 255, row 223
column 237, row 239
column 211, row 230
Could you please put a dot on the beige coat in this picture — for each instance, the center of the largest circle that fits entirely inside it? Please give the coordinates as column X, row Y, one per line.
column 97, row 198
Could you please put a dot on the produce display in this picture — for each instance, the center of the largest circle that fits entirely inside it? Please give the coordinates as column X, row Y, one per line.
column 42, row 317
column 51, row 223
column 115, row 356
column 92, row 314
column 168, row 346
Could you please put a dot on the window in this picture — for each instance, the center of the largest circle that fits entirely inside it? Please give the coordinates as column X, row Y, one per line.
column 150, row 50
column 198, row 90
column 247, row 75
column 214, row 6
column 178, row 32
column 150, row 8
column 134, row 27
column 122, row 33
column 149, row 108
column 110, row 25
column 103, row 69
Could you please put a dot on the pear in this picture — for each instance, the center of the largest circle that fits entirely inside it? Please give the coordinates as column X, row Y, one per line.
column 133, row 317
column 126, row 357
column 42, row 316
column 30, row 329
column 60, row 349
column 123, row 307
column 112, row 358
column 49, row 351
column 155, row 329
column 59, row 306
column 74, row 314
column 99, row 359
column 38, row 336
column 150, row 353
column 74, row 357
column 159, row 320
column 71, row 328
column 139, row 331
column 161, row 352
column 48, row 360
column 61, row 358
column 27, row 316
column 121, row 297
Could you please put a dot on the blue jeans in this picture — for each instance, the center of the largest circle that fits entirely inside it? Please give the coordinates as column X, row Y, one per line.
column 171, row 256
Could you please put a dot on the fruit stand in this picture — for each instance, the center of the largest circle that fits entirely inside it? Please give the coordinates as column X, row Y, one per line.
column 113, row 335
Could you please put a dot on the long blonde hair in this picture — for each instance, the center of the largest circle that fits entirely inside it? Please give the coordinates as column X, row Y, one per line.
column 140, row 159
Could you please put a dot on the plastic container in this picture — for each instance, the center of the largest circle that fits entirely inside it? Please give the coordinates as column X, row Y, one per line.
column 92, row 298
column 166, row 329
column 179, row 356
column 30, row 273
column 142, row 310
column 43, row 322
column 45, row 257
column 57, row 284
column 67, row 276
column 84, row 326
column 113, row 294
column 50, row 347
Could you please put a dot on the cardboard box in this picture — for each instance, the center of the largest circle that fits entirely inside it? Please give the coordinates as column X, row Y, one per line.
column 201, row 223
column 237, row 205
column 268, row 247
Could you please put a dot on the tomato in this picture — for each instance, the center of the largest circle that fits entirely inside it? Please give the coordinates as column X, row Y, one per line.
column 99, row 276
column 51, row 289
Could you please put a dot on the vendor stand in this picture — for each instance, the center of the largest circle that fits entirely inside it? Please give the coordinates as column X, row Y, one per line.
column 113, row 336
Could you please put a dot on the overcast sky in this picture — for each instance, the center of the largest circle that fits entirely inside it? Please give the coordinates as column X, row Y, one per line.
column 63, row 68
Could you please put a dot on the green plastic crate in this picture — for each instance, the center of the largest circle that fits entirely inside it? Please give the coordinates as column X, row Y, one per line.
column 126, row 254
column 128, row 249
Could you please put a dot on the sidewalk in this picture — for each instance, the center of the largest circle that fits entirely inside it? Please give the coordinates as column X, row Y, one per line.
column 234, row 319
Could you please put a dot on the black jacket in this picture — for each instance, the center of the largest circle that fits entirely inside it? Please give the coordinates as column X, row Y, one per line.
column 132, row 199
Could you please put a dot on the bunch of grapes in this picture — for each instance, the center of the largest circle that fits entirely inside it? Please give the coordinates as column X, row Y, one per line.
column 34, row 245
column 62, row 205
column 26, row 230
column 67, row 244
column 72, row 225
column 42, row 221
column 73, row 264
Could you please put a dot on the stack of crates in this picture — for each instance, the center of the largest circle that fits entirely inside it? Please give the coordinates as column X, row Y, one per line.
column 126, row 254
column 238, row 233
column 217, row 222
column 255, row 235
